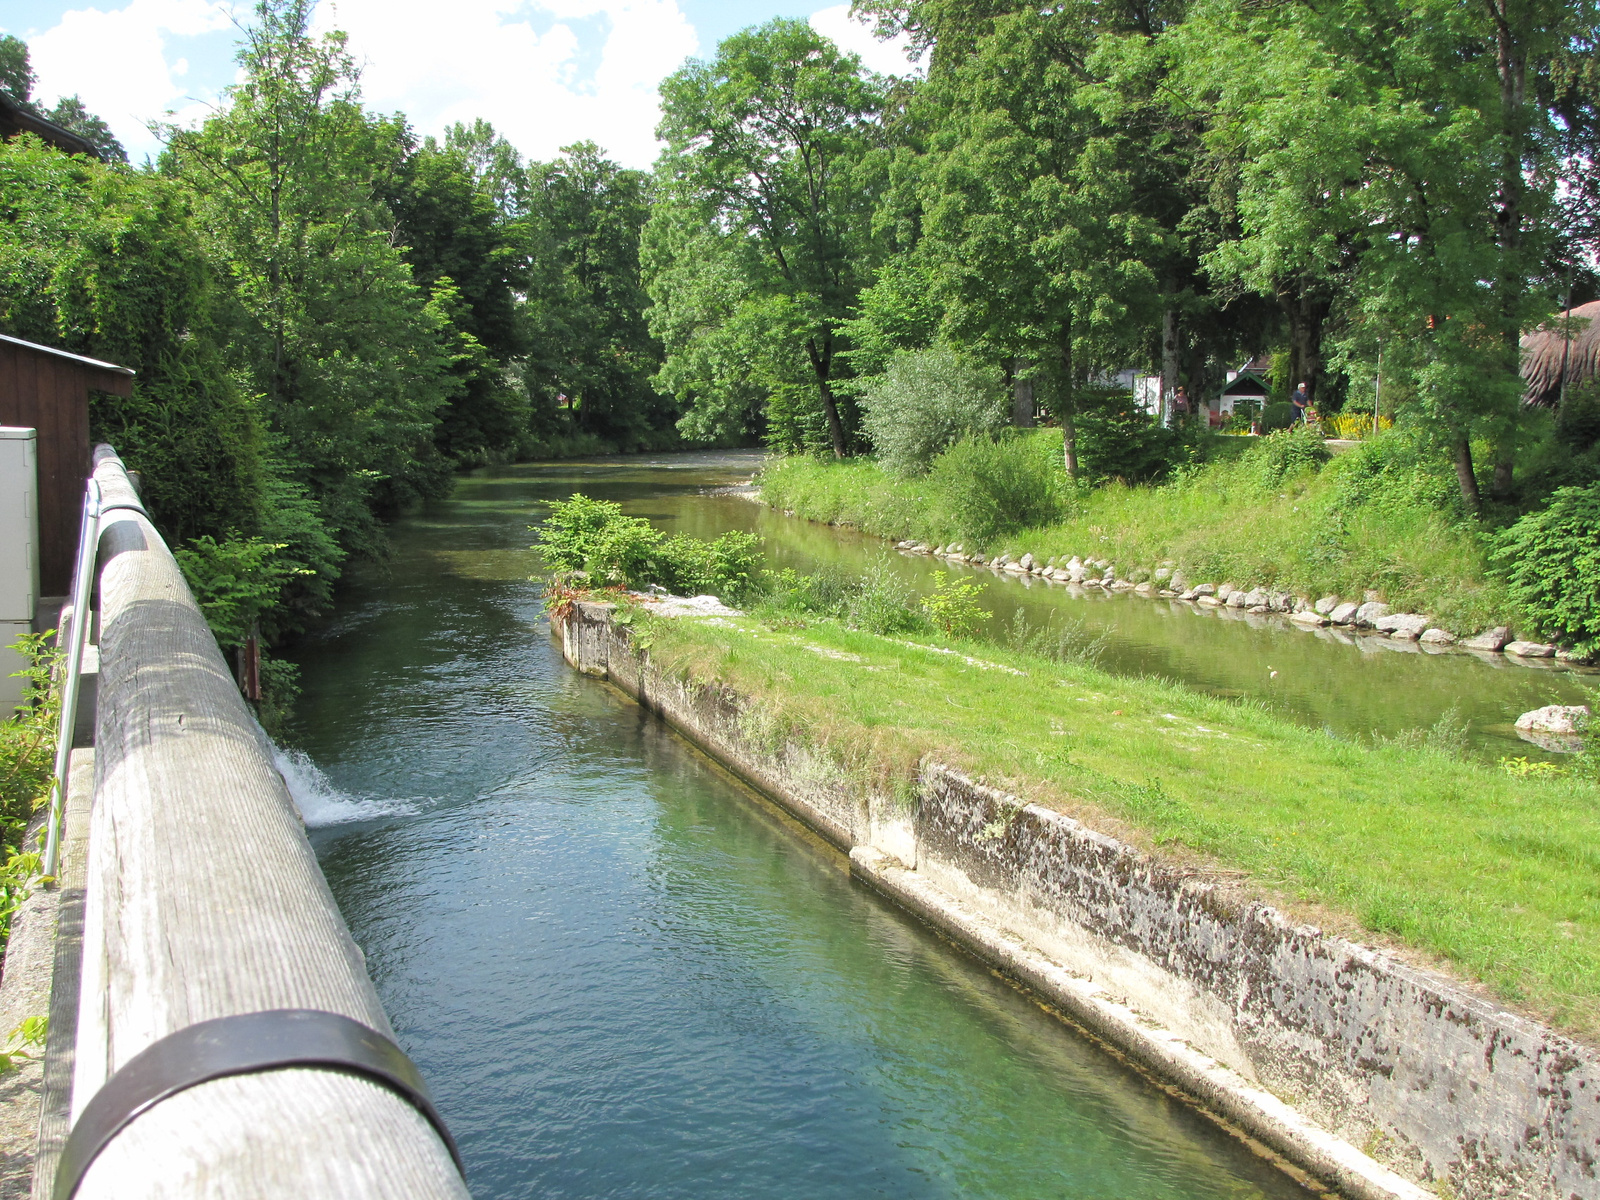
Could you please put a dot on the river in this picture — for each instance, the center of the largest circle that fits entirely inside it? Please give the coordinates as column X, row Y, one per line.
column 624, row 974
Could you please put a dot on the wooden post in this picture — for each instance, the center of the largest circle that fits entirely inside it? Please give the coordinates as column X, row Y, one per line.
column 203, row 899
column 250, row 666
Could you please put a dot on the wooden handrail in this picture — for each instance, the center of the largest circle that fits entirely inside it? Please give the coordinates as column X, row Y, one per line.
column 204, row 900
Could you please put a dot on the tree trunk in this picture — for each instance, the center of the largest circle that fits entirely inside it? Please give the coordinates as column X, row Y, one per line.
column 1306, row 317
column 1069, row 404
column 821, row 365
column 1169, row 365
column 1501, row 485
column 1021, row 394
column 1466, row 478
column 1511, row 64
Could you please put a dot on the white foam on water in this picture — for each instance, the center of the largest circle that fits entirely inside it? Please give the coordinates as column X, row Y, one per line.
column 321, row 803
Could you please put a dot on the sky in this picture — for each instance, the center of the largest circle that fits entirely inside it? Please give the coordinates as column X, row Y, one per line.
column 546, row 73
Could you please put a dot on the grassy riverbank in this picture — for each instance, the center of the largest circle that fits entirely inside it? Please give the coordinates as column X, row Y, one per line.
column 1262, row 514
column 1490, row 872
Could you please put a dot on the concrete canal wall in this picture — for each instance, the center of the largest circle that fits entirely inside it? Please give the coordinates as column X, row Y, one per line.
column 1376, row 1078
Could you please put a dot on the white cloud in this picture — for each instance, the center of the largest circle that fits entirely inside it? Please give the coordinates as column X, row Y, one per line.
column 116, row 61
column 546, row 72
column 489, row 59
column 887, row 58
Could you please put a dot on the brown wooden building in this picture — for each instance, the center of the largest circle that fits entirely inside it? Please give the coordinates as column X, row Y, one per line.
column 47, row 389
column 15, row 119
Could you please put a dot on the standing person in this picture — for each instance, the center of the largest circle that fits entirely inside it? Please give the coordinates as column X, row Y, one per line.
column 1301, row 401
column 1180, row 406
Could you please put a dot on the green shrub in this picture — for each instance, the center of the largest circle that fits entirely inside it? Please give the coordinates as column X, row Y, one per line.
column 728, row 567
column 953, row 608
column 595, row 536
column 628, row 550
column 989, row 487
column 237, row 582
column 1285, row 454
column 925, row 401
column 569, row 533
column 1578, row 421
column 1395, row 470
column 1551, row 560
column 878, row 602
column 1118, row 440
column 1277, row 415
column 28, row 739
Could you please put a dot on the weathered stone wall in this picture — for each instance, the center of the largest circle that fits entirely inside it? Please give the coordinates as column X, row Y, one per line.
column 1440, row 1087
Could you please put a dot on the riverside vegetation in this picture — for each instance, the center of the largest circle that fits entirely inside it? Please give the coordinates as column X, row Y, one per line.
column 27, row 760
column 1277, row 512
column 1406, row 840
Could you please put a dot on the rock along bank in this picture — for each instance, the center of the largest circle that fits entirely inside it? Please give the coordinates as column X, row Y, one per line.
column 1378, row 1079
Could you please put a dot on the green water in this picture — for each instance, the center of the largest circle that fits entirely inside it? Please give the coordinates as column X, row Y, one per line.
column 626, row 976
column 1357, row 686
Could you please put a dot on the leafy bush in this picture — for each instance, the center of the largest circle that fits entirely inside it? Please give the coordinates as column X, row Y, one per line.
column 630, row 551
column 569, row 533
column 27, row 765
column 989, row 487
column 236, row 581
column 595, row 536
column 879, row 601
column 1118, row 440
column 1551, row 560
column 27, row 739
column 926, row 400
column 1277, row 415
column 953, row 608
column 728, row 567
column 1395, row 470
column 1578, row 421
column 1285, row 454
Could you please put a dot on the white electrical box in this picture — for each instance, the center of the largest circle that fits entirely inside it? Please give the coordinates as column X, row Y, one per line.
column 11, row 661
column 19, row 523
column 19, row 553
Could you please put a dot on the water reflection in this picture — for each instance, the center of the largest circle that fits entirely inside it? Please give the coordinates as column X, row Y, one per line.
column 1357, row 686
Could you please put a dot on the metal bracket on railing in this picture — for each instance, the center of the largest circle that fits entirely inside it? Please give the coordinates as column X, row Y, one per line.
column 77, row 634
column 246, row 1044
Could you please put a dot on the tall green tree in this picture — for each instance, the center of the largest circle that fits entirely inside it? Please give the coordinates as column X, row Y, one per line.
column 771, row 173
column 465, row 248
column 1029, row 206
column 1395, row 159
column 108, row 263
column 330, row 328
column 592, row 351
column 17, row 79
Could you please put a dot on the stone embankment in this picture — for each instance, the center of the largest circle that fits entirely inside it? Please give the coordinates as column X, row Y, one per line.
column 1376, row 1078
column 1368, row 615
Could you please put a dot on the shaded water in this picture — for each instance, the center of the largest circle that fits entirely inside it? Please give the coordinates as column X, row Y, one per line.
column 622, row 973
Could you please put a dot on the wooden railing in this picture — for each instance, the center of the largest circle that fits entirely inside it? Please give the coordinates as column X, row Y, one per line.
column 229, row 1041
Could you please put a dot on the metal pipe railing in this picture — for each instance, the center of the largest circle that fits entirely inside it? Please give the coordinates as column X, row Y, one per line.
column 71, row 675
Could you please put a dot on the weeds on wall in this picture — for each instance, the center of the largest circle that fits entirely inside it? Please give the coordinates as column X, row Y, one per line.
column 27, row 763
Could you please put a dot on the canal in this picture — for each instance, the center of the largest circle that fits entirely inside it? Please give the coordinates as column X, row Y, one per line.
column 624, row 974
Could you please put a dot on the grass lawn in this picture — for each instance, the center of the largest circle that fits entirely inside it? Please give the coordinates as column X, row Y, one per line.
column 1496, row 875
column 1375, row 517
